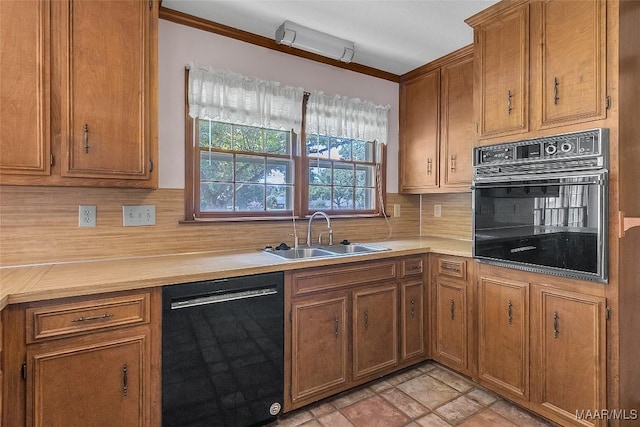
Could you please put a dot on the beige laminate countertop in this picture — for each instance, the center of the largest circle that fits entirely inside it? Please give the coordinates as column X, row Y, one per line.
column 31, row 283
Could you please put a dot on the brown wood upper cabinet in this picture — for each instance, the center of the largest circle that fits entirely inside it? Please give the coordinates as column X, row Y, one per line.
column 85, row 76
column 436, row 125
column 563, row 44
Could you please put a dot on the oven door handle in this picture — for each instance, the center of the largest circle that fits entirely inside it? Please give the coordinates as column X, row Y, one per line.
column 536, row 181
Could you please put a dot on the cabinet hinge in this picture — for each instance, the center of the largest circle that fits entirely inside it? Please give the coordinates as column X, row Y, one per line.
column 608, row 313
column 607, row 102
column 23, row 371
column 150, row 165
column 51, row 159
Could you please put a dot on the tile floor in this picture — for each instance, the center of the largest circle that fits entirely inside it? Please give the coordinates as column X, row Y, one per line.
column 426, row 395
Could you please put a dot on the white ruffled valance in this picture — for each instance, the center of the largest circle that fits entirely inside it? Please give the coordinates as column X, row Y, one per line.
column 230, row 97
column 344, row 117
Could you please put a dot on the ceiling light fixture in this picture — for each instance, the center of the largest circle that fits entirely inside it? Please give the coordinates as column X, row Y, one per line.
column 294, row 35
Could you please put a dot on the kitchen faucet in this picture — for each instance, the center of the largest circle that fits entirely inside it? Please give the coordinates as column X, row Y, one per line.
column 320, row 236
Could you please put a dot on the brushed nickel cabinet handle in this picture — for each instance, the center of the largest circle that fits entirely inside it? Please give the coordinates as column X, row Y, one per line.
column 510, row 312
column 366, row 319
column 556, row 83
column 337, row 324
column 452, row 306
column 413, row 308
column 85, row 319
column 509, row 107
column 428, row 166
column 556, row 329
column 453, row 163
column 86, row 138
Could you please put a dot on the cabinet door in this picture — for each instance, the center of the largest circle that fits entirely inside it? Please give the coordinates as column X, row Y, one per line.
column 106, row 47
column 375, row 330
column 412, row 318
column 502, row 58
column 24, row 91
column 573, row 59
column 568, row 355
column 319, row 346
column 503, row 332
column 458, row 129
column 419, row 104
column 451, row 323
column 79, row 382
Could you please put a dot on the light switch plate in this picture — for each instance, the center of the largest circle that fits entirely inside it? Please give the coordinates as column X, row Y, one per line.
column 138, row 215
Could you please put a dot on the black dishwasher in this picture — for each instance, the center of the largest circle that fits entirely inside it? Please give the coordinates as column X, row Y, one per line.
column 222, row 351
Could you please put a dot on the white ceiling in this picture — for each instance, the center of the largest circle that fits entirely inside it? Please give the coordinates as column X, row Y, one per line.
column 396, row 36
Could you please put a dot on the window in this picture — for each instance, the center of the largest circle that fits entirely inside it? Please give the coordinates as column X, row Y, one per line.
column 341, row 175
column 243, row 170
column 244, row 160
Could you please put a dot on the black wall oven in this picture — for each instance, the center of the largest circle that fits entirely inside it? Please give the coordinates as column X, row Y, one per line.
column 541, row 205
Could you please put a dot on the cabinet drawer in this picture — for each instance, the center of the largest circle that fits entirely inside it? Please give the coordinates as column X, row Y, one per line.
column 335, row 278
column 60, row 320
column 452, row 267
column 411, row 267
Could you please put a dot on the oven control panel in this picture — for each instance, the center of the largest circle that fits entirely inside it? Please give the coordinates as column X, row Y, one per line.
column 576, row 145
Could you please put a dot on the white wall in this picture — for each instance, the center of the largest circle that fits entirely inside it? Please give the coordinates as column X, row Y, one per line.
column 179, row 44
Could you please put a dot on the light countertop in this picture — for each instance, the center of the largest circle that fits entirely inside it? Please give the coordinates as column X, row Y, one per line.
column 48, row 281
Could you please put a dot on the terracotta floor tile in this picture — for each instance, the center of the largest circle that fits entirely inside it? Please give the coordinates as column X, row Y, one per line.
column 487, row 418
column 426, row 367
column 451, row 379
column 312, row 423
column 432, row 420
column 407, row 405
column 352, row 397
column 322, row 409
column 400, row 378
column 517, row 416
column 380, row 386
column 428, row 391
column 374, row 411
column 335, row 419
column 481, row 396
column 458, row 410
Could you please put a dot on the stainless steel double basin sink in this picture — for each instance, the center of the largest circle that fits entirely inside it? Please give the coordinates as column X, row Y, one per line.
column 324, row 251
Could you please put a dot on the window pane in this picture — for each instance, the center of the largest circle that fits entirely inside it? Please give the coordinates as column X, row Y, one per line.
column 277, row 141
column 216, row 197
column 319, row 197
column 343, row 174
column 317, row 146
column 320, row 173
column 247, row 138
column 365, row 198
column 363, row 151
column 249, row 197
column 216, row 166
column 279, row 197
column 365, row 176
column 342, row 198
column 340, row 149
column 279, row 171
column 250, row 169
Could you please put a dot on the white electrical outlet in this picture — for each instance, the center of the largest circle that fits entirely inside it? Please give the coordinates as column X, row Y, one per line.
column 137, row 215
column 396, row 210
column 86, row 216
column 437, row 211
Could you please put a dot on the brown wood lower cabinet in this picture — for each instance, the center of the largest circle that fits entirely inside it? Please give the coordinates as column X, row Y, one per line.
column 503, row 336
column 87, row 361
column 451, row 304
column 568, row 362
column 351, row 324
column 542, row 345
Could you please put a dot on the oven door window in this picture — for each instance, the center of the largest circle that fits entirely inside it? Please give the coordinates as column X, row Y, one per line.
column 554, row 223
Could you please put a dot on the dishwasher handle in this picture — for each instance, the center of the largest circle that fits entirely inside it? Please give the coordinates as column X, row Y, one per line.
column 218, row 298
